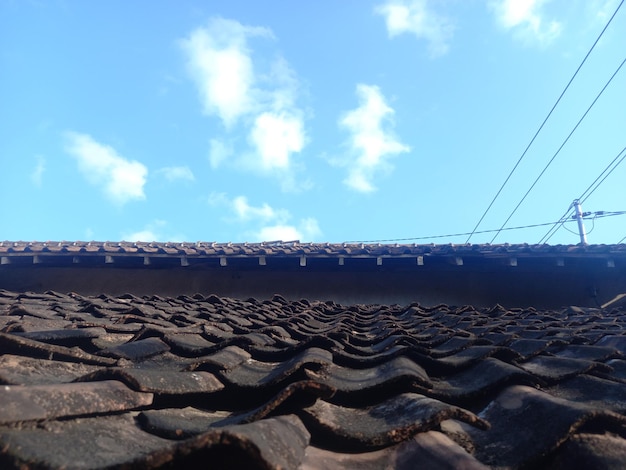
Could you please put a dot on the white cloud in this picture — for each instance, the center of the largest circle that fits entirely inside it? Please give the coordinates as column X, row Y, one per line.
column 145, row 235
column 263, row 103
column 604, row 9
column 219, row 152
column 265, row 213
column 218, row 199
column 150, row 233
column 525, row 18
column 418, row 18
column 271, row 224
column 310, row 229
column 37, row 175
column 370, row 144
column 276, row 136
column 278, row 232
column 307, row 230
column 173, row 173
column 156, row 231
column 122, row 180
column 219, row 62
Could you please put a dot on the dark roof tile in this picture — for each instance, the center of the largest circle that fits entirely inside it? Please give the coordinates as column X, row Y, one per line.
column 273, row 443
column 159, row 381
column 587, row 352
column 594, row 392
column 389, row 422
column 585, row 451
column 481, row 379
column 528, row 348
column 66, row 337
column 474, row 354
column 429, row 450
column 38, row 402
column 11, row 344
column 189, row 345
column 618, row 370
column 177, row 424
column 226, row 359
column 254, row 374
column 393, row 374
column 554, row 369
column 98, row 442
column 137, row 350
column 180, row 424
column 19, row 370
column 229, row 374
column 527, row 425
column 613, row 341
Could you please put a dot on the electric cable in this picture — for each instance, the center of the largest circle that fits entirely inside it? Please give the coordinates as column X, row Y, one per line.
column 570, row 231
column 621, row 240
column 559, row 149
column 555, row 228
column 598, row 214
column 585, row 195
column 593, row 225
column 543, row 123
column 590, row 191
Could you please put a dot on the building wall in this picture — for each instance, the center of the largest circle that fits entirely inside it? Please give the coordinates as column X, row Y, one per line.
column 454, row 285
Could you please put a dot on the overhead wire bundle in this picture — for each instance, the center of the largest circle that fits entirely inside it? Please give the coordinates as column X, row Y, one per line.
column 587, row 192
column 475, row 230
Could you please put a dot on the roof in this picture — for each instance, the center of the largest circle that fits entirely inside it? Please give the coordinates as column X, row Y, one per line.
column 481, row 275
column 295, row 248
column 149, row 382
column 153, row 355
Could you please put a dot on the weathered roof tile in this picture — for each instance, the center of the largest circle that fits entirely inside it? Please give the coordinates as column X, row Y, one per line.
column 428, row 450
column 527, row 425
column 389, row 422
column 160, row 381
column 249, row 381
column 19, row 370
column 37, row 402
column 137, row 350
column 101, row 442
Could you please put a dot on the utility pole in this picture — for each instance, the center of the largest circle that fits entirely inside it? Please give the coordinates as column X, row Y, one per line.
column 579, row 218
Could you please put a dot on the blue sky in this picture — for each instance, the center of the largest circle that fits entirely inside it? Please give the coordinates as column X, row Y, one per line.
column 318, row 121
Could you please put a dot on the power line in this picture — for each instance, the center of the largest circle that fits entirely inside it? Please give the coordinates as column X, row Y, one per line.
column 585, row 195
column 543, row 123
column 601, row 214
column 593, row 226
column 559, row 149
column 621, row 240
column 555, row 228
column 598, row 214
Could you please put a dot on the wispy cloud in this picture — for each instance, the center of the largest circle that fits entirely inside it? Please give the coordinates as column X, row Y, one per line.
column 371, row 143
column 307, row 230
column 265, row 223
column 155, row 231
column 174, row 173
column 261, row 104
column 603, row 9
column 417, row 17
column 278, row 131
column 245, row 212
column 219, row 152
column 122, row 180
column 526, row 19
column 37, row 174
column 276, row 136
column 218, row 58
